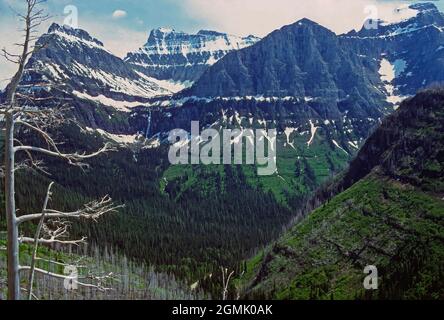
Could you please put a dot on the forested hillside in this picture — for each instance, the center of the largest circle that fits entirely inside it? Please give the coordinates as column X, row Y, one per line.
column 190, row 233
column 391, row 215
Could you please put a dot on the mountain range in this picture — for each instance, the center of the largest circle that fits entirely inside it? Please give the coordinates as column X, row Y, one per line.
column 307, row 60
column 324, row 93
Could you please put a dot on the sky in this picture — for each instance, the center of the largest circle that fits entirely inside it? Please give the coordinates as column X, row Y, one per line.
column 123, row 25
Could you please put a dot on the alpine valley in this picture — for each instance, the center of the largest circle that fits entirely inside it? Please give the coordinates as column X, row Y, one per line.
column 348, row 147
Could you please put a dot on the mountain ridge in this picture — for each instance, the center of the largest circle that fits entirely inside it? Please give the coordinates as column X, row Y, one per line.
column 237, row 73
column 73, row 59
column 182, row 57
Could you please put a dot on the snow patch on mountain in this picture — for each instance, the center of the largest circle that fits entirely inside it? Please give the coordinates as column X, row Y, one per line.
column 288, row 132
column 142, row 87
column 354, row 144
column 122, row 139
column 55, row 70
column 260, row 98
column 389, row 72
column 338, row 146
column 123, row 106
column 75, row 40
column 167, row 85
column 313, row 130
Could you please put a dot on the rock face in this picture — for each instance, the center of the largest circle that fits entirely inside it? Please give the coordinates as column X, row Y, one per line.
column 299, row 60
column 73, row 61
column 412, row 50
column 183, row 57
column 307, row 60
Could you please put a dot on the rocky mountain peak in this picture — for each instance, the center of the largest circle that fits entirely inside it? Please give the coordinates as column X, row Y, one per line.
column 75, row 62
column 183, row 57
column 66, row 30
column 307, row 22
column 210, row 33
column 406, row 19
column 424, row 7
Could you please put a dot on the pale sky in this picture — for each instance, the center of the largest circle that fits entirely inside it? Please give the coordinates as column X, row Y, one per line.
column 123, row 25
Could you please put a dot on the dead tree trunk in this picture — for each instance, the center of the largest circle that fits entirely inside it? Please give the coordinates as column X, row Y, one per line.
column 13, row 237
column 36, row 244
column 17, row 114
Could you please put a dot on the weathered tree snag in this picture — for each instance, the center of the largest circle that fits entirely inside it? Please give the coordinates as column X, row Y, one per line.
column 36, row 241
column 12, row 241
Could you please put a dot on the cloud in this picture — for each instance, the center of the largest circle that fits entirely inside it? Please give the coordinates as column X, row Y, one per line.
column 9, row 34
column 119, row 39
column 118, row 14
column 260, row 17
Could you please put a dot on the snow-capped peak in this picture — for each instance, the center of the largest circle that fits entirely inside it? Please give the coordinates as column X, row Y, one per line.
column 70, row 33
column 405, row 20
column 169, row 41
column 76, row 62
column 179, row 56
column 165, row 30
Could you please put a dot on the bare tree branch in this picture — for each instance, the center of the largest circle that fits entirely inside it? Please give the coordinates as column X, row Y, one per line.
column 225, row 282
column 98, row 286
column 30, row 293
column 61, row 263
column 90, row 211
column 72, row 158
column 12, row 88
column 53, row 241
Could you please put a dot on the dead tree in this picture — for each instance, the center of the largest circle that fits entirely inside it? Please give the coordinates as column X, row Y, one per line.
column 19, row 111
column 226, row 278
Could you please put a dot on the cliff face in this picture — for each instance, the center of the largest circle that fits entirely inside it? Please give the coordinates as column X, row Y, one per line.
column 183, row 57
column 372, row 66
column 300, row 60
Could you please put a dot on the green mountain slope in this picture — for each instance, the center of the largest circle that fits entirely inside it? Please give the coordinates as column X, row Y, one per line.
column 390, row 215
column 190, row 235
